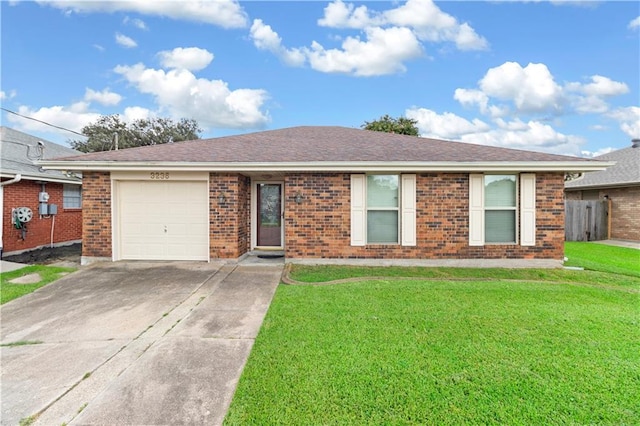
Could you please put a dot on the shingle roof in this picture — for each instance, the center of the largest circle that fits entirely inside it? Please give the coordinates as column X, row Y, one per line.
column 320, row 144
column 15, row 152
column 626, row 171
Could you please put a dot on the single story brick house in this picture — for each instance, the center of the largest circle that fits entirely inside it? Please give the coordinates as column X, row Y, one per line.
column 27, row 189
column 325, row 194
column 620, row 184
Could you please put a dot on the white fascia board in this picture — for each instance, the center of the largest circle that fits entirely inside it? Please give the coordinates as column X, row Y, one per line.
column 42, row 178
column 322, row 166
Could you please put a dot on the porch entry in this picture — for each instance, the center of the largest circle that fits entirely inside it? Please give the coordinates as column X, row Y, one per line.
column 269, row 215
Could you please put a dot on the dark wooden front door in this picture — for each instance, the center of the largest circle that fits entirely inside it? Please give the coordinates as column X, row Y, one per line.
column 269, row 215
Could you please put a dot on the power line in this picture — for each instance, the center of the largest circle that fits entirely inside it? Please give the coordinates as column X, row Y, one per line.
column 43, row 122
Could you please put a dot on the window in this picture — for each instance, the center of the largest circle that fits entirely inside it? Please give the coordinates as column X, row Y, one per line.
column 71, row 196
column 383, row 209
column 500, row 208
column 494, row 208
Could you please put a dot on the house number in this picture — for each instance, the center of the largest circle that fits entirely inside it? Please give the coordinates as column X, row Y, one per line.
column 159, row 175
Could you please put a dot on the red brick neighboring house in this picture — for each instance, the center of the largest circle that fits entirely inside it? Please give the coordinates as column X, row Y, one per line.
column 324, row 194
column 23, row 185
column 619, row 183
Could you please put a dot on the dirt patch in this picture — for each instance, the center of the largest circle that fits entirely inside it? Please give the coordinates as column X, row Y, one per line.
column 27, row 279
column 47, row 256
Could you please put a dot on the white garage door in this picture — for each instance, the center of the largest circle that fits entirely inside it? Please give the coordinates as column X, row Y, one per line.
column 163, row 220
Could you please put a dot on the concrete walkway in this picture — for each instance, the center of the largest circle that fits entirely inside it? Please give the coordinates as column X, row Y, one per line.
column 133, row 343
column 10, row 266
column 620, row 243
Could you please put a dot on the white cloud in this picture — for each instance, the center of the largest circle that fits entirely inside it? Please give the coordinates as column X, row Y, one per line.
column 531, row 89
column 181, row 94
column 591, row 154
column 136, row 113
column 106, row 97
column 383, row 52
column 444, row 126
column 73, row 117
column 423, row 17
column 189, row 58
column 125, row 41
column 634, row 24
column 531, row 135
column 223, row 13
column 98, row 47
column 600, row 86
column 264, row 38
column 4, row 96
column 138, row 23
column 629, row 120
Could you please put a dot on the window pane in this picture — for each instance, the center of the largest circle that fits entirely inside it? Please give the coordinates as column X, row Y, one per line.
column 382, row 227
column 500, row 226
column 71, row 196
column 500, row 191
column 382, row 191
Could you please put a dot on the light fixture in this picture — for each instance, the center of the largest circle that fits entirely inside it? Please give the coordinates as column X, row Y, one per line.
column 298, row 197
column 222, row 198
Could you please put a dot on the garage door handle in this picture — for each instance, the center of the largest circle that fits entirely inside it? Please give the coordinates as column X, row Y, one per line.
column 165, row 229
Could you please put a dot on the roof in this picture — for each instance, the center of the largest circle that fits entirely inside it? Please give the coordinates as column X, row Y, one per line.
column 319, row 148
column 19, row 151
column 625, row 172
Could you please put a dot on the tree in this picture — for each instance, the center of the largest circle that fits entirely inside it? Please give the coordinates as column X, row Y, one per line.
column 142, row 132
column 386, row 123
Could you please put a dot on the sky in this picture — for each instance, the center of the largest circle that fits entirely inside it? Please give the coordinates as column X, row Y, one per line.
column 561, row 77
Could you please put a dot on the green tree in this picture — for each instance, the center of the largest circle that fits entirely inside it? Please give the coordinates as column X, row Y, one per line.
column 386, row 123
column 142, row 132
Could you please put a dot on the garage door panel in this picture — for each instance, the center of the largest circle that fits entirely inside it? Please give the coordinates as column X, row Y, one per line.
column 163, row 220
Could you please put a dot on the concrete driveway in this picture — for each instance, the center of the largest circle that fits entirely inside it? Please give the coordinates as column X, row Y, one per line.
column 133, row 343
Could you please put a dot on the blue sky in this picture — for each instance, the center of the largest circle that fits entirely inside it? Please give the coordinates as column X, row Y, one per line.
column 560, row 77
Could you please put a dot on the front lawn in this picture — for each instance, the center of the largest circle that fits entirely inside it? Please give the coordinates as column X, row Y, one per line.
column 515, row 347
column 48, row 274
column 601, row 257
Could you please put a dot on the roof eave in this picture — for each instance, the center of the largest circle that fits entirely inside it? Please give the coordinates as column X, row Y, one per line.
column 364, row 166
column 37, row 178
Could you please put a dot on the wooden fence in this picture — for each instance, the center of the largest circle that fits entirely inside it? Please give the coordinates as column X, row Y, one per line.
column 586, row 220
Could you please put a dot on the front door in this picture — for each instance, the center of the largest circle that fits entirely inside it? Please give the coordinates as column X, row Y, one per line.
column 269, row 232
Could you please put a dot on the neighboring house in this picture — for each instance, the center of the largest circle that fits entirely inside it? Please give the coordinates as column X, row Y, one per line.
column 620, row 184
column 22, row 190
column 325, row 193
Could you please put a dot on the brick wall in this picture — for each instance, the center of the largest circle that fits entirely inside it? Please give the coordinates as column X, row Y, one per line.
column 625, row 212
column 229, row 221
column 68, row 223
column 96, row 207
column 319, row 227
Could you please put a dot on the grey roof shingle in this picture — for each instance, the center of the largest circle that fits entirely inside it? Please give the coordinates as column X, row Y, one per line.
column 308, row 144
column 625, row 172
column 14, row 149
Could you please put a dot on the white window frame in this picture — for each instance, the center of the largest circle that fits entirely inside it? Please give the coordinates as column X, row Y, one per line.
column 385, row 209
column 68, row 197
column 513, row 209
column 525, row 232
column 406, row 209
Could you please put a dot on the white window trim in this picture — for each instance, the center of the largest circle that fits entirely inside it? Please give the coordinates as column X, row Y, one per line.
column 406, row 210
column 65, row 197
column 525, row 210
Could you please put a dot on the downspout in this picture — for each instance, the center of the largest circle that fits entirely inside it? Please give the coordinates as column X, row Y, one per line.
column 17, row 178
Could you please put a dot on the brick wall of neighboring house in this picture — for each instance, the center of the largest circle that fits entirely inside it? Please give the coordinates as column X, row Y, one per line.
column 319, row 227
column 625, row 205
column 229, row 221
column 96, row 207
column 67, row 225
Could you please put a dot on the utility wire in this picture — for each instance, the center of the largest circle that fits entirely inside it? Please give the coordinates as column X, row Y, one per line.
column 43, row 122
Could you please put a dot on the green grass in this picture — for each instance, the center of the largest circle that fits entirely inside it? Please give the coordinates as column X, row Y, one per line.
column 518, row 347
column 48, row 274
column 601, row 257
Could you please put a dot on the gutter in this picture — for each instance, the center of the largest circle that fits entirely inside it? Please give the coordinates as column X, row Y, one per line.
column 334, row 166
column 17, row 178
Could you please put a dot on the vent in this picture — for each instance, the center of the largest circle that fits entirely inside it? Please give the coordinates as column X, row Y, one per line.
column 635, row 143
